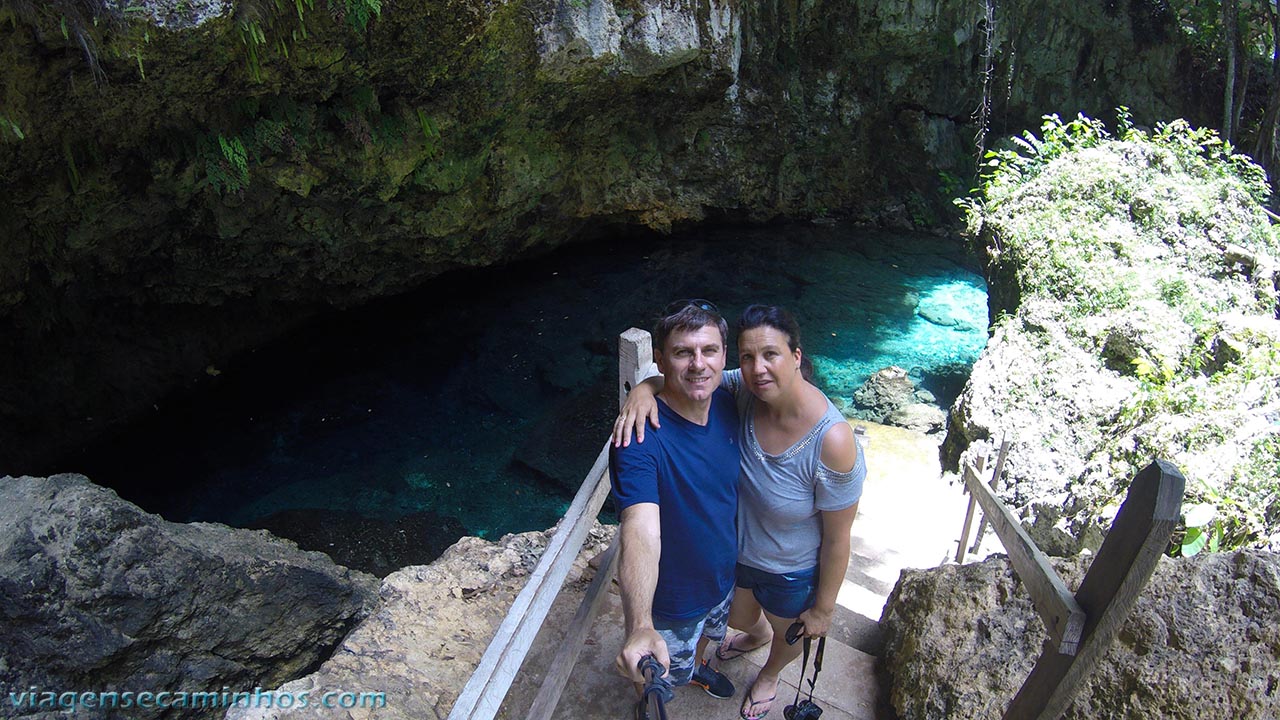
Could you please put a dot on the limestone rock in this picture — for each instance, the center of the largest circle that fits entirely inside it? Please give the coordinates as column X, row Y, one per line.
column 1033, row 382
column 180, row 14
column 1144, row 331
column 944, row 314
column 643, row 38
column 427, row 638
column 96, row 594
column 556, row 449
column 921, row 417
column 1201, row 642
column 1159, row 345
column 883, row 393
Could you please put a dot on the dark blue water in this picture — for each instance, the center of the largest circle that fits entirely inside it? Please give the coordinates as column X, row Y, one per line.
column 478, row 404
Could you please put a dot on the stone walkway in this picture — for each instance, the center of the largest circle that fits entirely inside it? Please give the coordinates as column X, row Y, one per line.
column 909, row 517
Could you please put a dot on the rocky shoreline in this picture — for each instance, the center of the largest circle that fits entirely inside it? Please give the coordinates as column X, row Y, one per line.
column 1135, row 307
column 101, row 598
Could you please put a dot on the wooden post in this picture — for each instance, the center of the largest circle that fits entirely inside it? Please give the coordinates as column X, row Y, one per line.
column 1123, row 566
column 635, row 356
column 995, row 486
column 978, row 462
column 1062, row 615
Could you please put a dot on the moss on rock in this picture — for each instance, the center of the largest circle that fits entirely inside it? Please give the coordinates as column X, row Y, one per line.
column 300, row 162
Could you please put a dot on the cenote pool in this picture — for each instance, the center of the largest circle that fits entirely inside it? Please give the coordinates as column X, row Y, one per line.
column 476, row 405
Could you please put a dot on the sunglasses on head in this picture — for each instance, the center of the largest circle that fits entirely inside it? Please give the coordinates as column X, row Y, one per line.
column 699, row 303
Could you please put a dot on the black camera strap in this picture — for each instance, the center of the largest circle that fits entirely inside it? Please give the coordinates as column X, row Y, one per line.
column 817, row 666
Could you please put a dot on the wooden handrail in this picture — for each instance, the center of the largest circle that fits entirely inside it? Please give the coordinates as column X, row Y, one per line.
column 1062, row 615
column 488, row 685
column 1122, row 567
column 484, row 692
column 571, row 645
column 1081, row 626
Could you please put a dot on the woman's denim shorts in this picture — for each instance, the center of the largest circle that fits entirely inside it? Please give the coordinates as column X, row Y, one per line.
column 785, row 595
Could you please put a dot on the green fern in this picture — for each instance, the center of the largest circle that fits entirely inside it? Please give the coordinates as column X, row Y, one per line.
column 226, row 163
column 253, row 37
column 360, row 12
column 233, row 150
column 430, row 133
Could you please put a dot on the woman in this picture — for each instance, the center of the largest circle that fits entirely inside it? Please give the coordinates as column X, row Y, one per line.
column 800, row 480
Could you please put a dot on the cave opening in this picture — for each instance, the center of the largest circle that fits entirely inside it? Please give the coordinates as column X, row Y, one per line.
column 475, row 405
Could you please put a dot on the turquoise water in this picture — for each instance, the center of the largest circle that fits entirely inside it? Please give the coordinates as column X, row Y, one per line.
column 483, row 399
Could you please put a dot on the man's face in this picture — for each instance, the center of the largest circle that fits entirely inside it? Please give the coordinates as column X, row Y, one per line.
column 691, row 362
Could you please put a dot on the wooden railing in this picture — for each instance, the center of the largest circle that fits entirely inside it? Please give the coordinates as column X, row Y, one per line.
column 484, row 692
column 1081, row 626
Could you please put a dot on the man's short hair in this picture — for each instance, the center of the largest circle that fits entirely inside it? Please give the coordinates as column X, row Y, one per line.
column 687, row 316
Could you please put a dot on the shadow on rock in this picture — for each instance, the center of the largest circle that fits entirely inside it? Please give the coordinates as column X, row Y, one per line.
column 376, row 546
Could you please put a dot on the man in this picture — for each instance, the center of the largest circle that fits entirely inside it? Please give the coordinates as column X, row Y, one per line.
column 677, row 493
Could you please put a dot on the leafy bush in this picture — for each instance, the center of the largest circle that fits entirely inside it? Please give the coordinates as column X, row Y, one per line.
column 1201, row 149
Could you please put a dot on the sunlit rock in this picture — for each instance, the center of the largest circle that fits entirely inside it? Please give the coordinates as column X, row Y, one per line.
column 1199, row 643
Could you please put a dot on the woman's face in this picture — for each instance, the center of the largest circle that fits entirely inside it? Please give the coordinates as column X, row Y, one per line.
column 770, row 368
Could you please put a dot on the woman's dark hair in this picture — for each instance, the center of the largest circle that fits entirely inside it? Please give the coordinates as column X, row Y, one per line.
column 779, row 319
column 771, row 316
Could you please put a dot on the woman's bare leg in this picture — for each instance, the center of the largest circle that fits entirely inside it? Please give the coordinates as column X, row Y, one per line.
column 765, row 687
column 746, row 615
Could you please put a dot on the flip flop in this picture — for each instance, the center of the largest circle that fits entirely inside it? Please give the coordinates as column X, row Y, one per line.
column 752, row 703
column 726, row 651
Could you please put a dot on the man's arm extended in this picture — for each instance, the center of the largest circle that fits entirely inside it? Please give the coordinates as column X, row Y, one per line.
column 640, row 548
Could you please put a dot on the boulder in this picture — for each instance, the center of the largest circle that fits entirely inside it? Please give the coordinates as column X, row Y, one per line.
column 1116, row 340
column 1049, row 398
column 1201, row 642
column 890, row 397
column 97, row 595
column 921, row 417
column 567, row 439
column 884, row 392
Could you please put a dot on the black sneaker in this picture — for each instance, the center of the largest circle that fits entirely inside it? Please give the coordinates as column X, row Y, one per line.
column 713, row 681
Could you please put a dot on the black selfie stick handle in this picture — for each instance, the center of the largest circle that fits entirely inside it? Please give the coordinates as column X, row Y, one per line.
column 657, row 690
column 650, row 668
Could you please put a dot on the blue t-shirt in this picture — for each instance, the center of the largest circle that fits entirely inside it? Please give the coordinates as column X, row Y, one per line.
column 691, row 472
